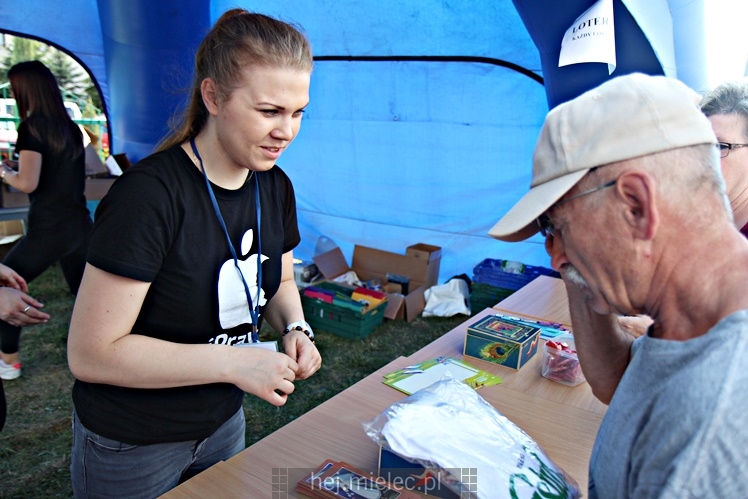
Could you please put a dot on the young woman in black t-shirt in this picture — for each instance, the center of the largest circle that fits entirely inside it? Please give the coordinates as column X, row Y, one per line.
column 191, row 251
column 51, row 169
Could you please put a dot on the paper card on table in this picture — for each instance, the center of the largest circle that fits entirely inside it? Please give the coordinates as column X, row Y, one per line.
column 412, row 378
column 548, row 330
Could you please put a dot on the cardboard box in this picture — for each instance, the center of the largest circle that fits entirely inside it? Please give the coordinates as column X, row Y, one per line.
column 413, row 476
column 10, row 232
column 94, row 165
column 96, row 188
column 502, row 341
column 421, row 266
column 427, row 253
column 11, row 197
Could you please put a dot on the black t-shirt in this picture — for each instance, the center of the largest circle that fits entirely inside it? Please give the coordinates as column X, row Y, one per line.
column 58, row 202
column 157, row 224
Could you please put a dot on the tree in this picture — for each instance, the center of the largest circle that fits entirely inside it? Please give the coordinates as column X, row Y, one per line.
column 94, row 97
column 70, row 76
column 74, row 82
column 22, row 49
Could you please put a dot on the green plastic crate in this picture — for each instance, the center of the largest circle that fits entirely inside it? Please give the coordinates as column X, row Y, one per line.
column 484, row 296
column 340, row 320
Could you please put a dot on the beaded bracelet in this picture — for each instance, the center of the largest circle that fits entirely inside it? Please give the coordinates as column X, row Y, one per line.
column 302, row 326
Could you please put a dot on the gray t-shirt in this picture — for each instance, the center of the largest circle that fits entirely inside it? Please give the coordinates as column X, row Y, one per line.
column 677, row 425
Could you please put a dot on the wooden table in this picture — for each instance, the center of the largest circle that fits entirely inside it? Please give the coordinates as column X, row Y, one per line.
column 543, row 293
column 331, row 430
column 543, row 298
column 563, row 420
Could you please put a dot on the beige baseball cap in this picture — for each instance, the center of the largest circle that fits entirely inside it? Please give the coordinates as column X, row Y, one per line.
column 624, row 118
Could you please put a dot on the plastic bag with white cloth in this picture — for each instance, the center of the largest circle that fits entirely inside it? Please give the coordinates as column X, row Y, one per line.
column 451, row 298
column 448, row 426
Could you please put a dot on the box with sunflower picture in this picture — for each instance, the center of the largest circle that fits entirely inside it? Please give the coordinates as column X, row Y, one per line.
column 502, row 341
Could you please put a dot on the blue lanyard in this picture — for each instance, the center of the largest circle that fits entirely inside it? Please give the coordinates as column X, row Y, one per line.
column 254, row 312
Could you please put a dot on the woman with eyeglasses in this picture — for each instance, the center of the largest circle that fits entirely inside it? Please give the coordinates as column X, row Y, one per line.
column 726, row 106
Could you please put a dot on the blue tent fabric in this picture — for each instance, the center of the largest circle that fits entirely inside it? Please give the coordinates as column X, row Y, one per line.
column 369, row 171
column 423, row 115
column 149, row 51
column 393, row 153
column 72, row 26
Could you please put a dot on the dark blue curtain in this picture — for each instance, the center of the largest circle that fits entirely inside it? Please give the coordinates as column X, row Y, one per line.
column 149, row 51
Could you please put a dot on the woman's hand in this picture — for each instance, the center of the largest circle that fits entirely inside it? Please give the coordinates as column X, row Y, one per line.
column 299, row 347
column 19, row 309
column 268, row 375
column 11, row 279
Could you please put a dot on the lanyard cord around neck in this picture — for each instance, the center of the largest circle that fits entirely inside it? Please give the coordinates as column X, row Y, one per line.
column 254, row 313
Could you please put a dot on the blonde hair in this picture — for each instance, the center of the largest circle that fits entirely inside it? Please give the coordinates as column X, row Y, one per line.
column 237, row 40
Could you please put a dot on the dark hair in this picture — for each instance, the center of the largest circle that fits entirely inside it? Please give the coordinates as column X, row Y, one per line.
column 238, row 39
column 38, row 96
column 730, row 97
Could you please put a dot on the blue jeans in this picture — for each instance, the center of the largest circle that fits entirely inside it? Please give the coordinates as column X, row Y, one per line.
column 102, row 467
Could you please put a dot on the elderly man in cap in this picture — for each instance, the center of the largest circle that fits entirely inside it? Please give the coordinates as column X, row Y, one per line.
column 627, row 191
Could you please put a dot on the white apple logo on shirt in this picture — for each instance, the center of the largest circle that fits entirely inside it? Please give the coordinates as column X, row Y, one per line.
column 233, row 308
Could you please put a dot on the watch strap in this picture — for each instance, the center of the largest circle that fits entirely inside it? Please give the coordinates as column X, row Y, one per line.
column 302, row 326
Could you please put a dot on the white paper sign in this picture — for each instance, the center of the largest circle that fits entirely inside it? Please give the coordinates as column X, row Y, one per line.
column 591, row 38
column 113, row 167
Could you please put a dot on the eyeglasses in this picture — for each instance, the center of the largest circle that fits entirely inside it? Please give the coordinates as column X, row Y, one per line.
column 544, row 222
column 724, row 148
column 545, row 225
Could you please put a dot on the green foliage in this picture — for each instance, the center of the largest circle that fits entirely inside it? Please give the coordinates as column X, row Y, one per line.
column 94, row 105
column 70, row 77
column 35, row 444
column 75, row 83
column 23, row 49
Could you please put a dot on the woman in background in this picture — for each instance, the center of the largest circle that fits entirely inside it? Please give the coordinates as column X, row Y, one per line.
column 19, row 309
column 51, row 171
column 192, row 249
column 726, row 106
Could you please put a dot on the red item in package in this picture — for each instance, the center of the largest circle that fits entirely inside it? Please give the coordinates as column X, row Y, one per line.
column 560, row 361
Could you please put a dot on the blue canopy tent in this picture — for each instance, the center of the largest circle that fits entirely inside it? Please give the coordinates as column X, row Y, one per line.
column 423, row 115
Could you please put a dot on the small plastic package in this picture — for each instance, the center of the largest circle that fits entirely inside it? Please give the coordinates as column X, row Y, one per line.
column 448, row 428
column 560, row 361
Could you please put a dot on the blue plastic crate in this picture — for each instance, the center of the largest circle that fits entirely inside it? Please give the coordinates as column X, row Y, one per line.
column 491, row 271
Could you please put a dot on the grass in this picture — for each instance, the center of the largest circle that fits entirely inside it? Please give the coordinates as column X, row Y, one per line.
column 35, row 443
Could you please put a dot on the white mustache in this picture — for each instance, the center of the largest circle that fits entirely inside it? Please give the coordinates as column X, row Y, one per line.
column 572, row 274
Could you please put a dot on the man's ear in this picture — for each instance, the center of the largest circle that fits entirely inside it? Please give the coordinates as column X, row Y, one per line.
column 210, row 95
column 637, row 190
